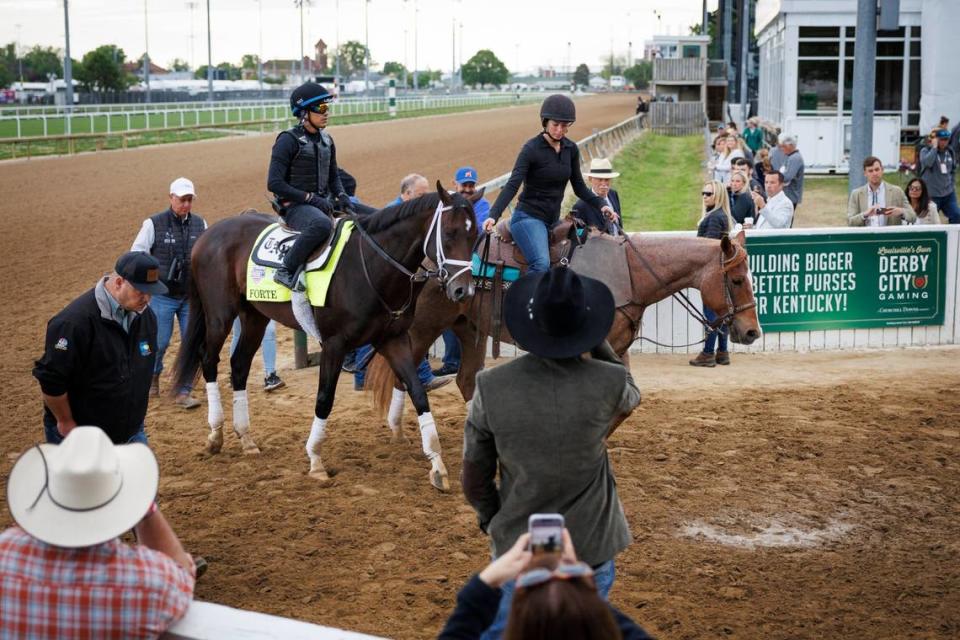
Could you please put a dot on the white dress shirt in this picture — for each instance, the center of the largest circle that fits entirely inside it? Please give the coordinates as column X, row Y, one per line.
column 777, row 214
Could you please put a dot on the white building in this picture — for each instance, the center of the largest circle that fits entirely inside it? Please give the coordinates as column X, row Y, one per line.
column 806, row 74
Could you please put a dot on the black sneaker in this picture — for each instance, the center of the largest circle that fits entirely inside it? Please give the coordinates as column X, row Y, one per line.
column 272, row 382
column 446, row 370
column 289, row 280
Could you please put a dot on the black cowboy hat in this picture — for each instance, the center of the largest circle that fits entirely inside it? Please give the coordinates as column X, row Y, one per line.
column 558, row 314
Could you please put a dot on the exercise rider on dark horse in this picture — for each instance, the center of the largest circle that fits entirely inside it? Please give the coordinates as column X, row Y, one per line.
column 304, row 179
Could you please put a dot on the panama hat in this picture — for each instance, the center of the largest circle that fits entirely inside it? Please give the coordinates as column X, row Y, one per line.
column 601, row 168
column 84, row 491
column 558, row 314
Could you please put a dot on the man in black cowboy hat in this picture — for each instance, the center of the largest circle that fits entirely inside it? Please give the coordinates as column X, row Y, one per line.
column 543, row 420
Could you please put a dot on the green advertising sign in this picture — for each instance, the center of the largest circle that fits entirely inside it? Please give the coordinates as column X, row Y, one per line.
column 846, row 281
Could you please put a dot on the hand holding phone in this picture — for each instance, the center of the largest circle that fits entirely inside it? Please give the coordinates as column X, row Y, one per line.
column 546, row 534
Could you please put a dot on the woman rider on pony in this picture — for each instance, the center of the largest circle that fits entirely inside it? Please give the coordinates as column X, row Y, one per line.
column 546, row 163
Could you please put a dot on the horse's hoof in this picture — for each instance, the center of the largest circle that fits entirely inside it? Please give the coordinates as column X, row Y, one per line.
column 322, row 478
column 439, row 480
column 214, row 443
column 250, row 447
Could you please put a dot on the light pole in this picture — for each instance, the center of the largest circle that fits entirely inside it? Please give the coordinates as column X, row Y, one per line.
column 193, row 61
column 453, row 56
column 416, row 72
column 404, row 60
column 460, row 69
column 338, row 47
column 19, row 57
column 209, row 58
column 366, row 47
column 569, row 72
column 67, row 65
column 260, row 48
column 146, row 50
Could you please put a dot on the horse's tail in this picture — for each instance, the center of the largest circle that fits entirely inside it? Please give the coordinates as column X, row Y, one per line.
column 193, row 345
column 380, row 379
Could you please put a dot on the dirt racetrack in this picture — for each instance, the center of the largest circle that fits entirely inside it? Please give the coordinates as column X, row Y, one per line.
column 787, row 496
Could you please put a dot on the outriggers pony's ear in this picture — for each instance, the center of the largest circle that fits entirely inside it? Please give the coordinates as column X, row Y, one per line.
column 477, row 195
column 444, row 195
column 726, row 245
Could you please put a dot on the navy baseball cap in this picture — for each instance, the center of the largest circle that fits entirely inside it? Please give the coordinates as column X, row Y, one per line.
column 142, row 271
column 466, row 174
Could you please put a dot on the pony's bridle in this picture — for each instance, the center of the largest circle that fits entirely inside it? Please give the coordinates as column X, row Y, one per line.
column 732, row 310
column 420, row 275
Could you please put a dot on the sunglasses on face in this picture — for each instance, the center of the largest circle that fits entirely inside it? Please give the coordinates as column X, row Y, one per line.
column 321, row 109
column 916, row 187
column 706, row 193
column 563, row 572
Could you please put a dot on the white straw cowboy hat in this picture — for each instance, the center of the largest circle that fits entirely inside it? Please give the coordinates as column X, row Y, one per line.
column 601, row 168
column 84, row 491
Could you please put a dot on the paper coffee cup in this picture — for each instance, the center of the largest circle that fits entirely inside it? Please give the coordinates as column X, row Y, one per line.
column 748, row 220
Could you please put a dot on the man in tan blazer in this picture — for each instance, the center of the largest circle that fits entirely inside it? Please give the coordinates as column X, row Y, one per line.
column 878, row 203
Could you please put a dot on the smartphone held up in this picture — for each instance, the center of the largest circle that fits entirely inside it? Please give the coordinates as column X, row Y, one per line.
column 546, row 534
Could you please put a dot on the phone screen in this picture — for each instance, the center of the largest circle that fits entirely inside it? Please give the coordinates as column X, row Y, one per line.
column 546, row 533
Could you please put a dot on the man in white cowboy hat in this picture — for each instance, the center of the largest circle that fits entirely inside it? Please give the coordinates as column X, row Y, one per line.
column 542, row 420
column 600, row 174
column 64, row 573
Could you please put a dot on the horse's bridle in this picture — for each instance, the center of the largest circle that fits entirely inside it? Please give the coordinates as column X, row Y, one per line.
column 725, row 266
column 422, row 274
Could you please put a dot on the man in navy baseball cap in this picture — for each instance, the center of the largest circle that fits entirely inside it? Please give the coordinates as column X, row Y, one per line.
column 142, row 271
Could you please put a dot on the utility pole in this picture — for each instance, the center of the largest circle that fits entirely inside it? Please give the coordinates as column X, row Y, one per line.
column 864, row 83
column 193, row 61
column 703, row 28
column 67, row 66
column 405, row 60
column 569, row 70
column 744, row 57
column 416, row 65
column 209, row 58
column 19, row 57
column 300, row 3
column 338, row 48
column 146, row 50
column 460, row 69
column 728, row 43
column 453, row 56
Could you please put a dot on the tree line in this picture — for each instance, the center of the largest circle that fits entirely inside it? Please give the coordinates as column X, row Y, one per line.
column 102, row 69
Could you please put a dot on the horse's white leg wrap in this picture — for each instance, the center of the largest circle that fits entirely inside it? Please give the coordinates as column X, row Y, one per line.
column 241, row 413
column 429, row 436
column 214, row 418
column 214, row 407
column 395, row 414
column 318, row 433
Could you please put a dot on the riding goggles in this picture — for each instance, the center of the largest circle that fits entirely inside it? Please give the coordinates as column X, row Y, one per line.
column 321, row 108
column 539, row 576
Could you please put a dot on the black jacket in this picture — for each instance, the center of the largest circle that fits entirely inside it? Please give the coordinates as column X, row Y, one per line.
column 477, row 605
column 288, row 179
column 742, row 206
column 105, row 371
column 544, row 174
column 593, row 217
column 713, row 225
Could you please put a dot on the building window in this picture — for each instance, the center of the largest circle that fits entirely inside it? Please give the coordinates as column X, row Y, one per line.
column 817, row 85
column 819, row 32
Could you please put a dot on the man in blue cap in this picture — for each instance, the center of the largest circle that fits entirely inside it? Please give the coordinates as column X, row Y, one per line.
column 938, row 168
column 99, row 355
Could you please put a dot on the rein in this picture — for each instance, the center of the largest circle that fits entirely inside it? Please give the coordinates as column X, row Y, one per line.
column 422, row 274
column 722, row 321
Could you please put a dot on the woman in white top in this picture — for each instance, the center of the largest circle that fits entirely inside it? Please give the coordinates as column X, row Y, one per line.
column 729, row 150
column 920, row 202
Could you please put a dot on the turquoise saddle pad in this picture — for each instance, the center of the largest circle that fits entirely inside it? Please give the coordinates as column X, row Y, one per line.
column 486, row 270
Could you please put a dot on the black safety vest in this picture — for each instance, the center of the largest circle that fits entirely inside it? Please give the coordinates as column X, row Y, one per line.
column 174, row 239
column 310, row 169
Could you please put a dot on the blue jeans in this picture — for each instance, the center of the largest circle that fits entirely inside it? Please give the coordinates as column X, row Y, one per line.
column 948, row 204
column 711, row 342
column 451, row 349
column 269, row 345
column 603, row 576
column 423, row 370
column 53, row 436
column 532, row 235
column 166, row 308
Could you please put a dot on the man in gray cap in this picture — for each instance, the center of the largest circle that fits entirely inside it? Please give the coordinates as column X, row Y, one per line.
column 788, row 161
column 99, row 355
column 938, row 168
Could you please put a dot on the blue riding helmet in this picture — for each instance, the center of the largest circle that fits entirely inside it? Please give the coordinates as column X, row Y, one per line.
column 309, row 93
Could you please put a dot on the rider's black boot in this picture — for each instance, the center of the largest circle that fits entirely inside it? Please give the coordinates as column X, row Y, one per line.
column 290, row 280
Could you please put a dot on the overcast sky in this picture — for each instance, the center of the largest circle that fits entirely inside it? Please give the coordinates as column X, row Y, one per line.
column 527, row 33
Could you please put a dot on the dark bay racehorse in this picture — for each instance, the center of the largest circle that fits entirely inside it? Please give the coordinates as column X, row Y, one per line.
column 658, row 267
column 371, row 300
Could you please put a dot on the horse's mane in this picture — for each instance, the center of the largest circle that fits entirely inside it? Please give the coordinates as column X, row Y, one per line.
column 388, row 216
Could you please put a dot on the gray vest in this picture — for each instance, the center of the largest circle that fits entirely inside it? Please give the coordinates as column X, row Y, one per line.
column 172, row 243
column 310, row 169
